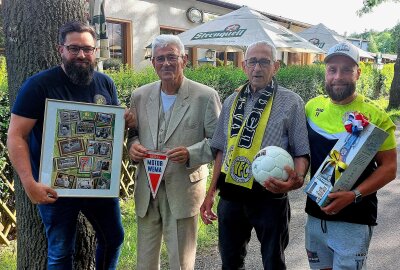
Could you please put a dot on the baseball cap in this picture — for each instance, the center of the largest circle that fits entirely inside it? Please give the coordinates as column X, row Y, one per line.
column 345, row 49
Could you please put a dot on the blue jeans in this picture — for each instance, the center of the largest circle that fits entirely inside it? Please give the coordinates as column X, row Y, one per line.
column 270, row 219
column 60, row 220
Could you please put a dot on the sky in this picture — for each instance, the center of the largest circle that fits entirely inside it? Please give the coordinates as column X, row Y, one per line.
column 338, row 15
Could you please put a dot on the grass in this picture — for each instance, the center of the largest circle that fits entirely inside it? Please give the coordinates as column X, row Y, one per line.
column 207, row 238
column 128, row 252
column 8, row 256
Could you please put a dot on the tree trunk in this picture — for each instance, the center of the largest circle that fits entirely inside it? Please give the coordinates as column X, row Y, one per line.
column 394, row 98
column 31, row 29
column 84, row 249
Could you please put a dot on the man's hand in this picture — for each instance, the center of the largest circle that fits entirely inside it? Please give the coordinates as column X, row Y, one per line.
column 340, row 199
column 206, row 212
column 137, row 152
column 40, row 194
column 179, row 155
column 294, row 181
column 130, row 119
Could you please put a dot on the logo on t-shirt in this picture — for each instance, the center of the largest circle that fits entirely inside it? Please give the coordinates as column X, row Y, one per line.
column 100, row 99
column 318, row 111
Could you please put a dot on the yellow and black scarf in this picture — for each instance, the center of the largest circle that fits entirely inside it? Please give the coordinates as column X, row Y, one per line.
column 245, row 135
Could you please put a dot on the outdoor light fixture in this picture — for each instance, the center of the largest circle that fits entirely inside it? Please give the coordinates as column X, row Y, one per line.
column 147, row 53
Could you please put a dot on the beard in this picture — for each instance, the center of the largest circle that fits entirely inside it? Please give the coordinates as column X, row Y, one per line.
column 80, row 72
column 340, row 94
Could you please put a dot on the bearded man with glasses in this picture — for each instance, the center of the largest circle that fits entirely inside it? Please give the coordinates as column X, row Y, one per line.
column 74, row 80
column 176, row 116
column 259, row 114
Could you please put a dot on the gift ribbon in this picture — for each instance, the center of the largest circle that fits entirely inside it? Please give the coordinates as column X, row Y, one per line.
column 357, row 117
column 334, row 160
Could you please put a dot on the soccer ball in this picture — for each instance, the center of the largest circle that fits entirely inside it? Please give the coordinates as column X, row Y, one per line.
column 270, row 161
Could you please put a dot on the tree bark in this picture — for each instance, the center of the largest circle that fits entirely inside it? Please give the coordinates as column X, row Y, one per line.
column 394, row 93
column 31, row 29
column 84, row 248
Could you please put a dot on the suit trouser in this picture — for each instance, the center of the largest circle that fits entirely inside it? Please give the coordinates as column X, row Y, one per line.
column 270, row 219
column 180, row 236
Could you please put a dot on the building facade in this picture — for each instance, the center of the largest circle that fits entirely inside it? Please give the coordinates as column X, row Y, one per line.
column 133, row 24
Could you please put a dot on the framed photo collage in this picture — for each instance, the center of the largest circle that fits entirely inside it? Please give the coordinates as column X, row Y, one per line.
column 82, row 148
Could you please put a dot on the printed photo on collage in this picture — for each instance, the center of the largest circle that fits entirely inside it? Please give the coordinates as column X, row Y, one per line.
column 83, row 152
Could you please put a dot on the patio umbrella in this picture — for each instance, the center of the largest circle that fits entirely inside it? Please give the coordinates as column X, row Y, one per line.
column 97, row 19
column 238, row 29
column 325, row 38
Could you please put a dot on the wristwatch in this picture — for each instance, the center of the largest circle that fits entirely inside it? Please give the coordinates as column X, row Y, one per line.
column 358, row 195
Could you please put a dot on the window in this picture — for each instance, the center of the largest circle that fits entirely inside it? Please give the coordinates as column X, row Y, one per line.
column 120, row 42
column 116, row 40
column 176, row 31
column 170, row 31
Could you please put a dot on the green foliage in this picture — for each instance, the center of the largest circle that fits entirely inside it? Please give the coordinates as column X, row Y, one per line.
column 368, row 5
column 372, row 44
column 8, row 256
column 366, row 85
column 223, row 79
column 112, row 63
column 384, row 42
column 388, row 74
column 207, row 237
column 307, row 81
column 128, row 251
column 4, row 111
column 3, row 75
column 127, row 80
column 394, row 115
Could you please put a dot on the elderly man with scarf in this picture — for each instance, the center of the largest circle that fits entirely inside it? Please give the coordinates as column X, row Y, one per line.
column 259, row 114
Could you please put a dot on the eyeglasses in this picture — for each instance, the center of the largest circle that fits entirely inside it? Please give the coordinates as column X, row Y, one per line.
column 171, row 58
column 74, row 50
column 252, row 62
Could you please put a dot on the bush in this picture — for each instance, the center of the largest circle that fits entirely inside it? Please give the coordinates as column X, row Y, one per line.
column 307, row 81
column 127, row 79
column 112, row 63
column 388, row 74
column 4, row 103
column 223, row 79
column 370, row 82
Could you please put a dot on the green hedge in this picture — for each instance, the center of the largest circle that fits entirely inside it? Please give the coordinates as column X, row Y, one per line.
column 127, row 79
column 223, row 79
column 388, row 74
column 307, row 81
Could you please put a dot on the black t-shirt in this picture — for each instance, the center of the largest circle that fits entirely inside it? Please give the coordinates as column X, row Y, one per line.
column 364, row 212
column 54, row 84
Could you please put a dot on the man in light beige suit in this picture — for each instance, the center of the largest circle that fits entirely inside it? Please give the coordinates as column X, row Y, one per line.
column 177, row 116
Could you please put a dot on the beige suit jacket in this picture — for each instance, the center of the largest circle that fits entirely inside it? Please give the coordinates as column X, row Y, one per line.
column 193, row 120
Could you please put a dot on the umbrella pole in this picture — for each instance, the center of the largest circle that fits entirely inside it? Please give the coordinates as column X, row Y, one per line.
column 240, row 57
column 194, row 57
column 225, row 58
